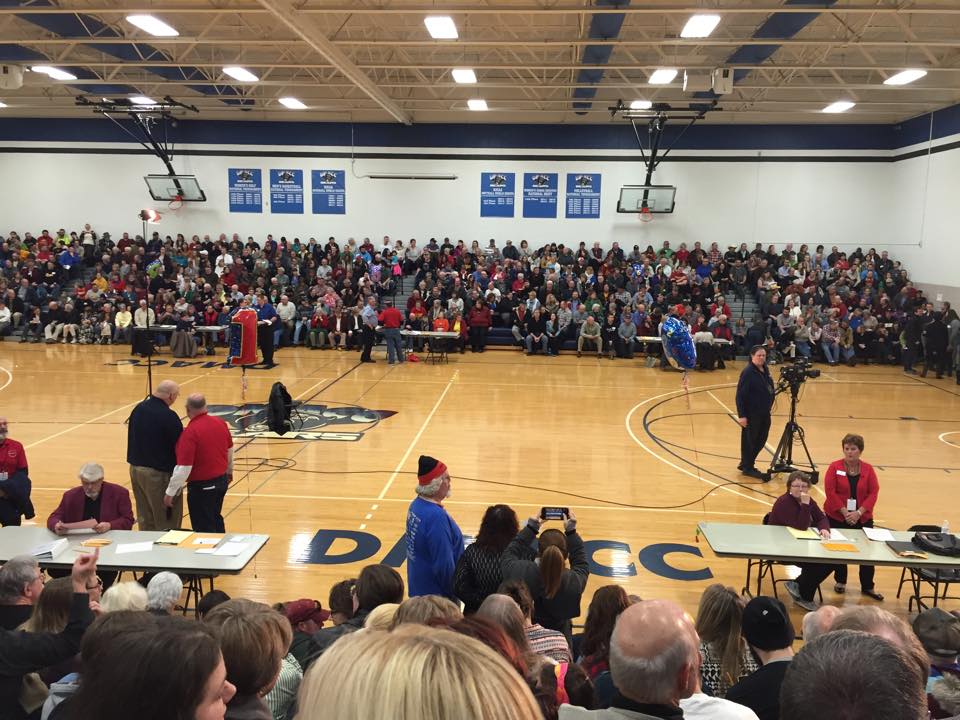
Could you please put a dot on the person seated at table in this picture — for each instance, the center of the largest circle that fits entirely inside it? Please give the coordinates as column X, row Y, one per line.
column 851, row 489
column 796, row 509
column 96, row 505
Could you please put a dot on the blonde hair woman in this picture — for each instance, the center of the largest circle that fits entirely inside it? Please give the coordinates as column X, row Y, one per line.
column 414, row 673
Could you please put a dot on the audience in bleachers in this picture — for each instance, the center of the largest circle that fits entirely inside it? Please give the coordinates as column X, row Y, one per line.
column 832, row 306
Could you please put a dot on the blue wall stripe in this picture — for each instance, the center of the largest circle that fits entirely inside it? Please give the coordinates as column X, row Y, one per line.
column 613, row 136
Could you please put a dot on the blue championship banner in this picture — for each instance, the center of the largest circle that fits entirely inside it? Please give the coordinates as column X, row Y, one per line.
column 540, row 195
column 329, row 192
column 583, row 195
column 286, row 192
column 497, row 194
column 245, row 187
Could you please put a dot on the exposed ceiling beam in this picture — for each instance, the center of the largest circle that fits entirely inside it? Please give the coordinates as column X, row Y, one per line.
column 492, row 10
column 517, row 42
column 312, row 32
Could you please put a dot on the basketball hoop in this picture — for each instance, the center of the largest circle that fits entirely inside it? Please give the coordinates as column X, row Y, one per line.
column 645, row 215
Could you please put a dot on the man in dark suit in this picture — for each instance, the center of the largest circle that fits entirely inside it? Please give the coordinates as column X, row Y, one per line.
column 96, row 505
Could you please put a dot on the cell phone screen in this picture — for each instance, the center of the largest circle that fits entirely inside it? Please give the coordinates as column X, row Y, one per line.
column 554, row 513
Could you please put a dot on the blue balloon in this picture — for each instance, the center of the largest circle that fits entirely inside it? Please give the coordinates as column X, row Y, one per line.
column 677, row 344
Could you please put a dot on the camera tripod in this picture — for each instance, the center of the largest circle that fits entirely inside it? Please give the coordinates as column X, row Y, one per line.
column 783, row 456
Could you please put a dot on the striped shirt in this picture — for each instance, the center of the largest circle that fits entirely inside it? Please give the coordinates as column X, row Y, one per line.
column 281, row 697
column 549, row 643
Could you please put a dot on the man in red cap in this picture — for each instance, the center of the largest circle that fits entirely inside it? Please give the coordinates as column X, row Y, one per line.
column 306, row 617
column 434, row 540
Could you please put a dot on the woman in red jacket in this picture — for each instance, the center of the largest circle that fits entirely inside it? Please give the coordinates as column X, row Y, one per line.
column 851, row 488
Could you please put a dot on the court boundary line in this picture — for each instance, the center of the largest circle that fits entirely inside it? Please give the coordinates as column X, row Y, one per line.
column 9, row 379
column 484, row 503
column 416, row 438
column 98, row 417
column 676, row 393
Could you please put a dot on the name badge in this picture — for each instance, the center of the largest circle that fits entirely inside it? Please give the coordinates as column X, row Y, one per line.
column 842, row 473
column 852, row 504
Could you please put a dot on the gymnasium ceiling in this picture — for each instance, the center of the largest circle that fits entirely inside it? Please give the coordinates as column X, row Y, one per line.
column 536, row 61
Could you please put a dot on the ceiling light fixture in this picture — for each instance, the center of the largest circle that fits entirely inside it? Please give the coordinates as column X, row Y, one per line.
column 477, row 104
column 464, row 76
column 153, row 26
column 3, row 104
column 641, row 105
column 292, row 103
column 54, row 73
column 700, row 26
column 904, row 77
column 142, row 100
column 241, row 74
column 838, row 107
column 441, row 27
column 662, row 76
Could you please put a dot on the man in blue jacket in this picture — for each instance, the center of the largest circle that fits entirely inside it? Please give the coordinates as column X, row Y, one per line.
column 434, row 540
column 754, row 400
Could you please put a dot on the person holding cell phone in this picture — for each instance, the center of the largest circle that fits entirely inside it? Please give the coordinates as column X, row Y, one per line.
column 851, row 487
column 556, row 589
column 796, row 509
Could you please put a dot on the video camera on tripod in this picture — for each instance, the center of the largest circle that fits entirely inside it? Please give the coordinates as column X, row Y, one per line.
column 795, row 374
column 792, row 376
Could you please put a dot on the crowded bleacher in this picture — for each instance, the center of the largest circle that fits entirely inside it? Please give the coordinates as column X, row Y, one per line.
column 834, row 307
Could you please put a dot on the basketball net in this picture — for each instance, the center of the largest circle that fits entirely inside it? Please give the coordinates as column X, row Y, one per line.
column 645, row 215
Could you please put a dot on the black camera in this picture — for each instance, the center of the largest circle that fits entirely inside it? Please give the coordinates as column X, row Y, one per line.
column 798, row 372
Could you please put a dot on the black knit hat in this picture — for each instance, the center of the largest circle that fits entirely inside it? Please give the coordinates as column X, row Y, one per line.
column 429, row 469
column 766, row 624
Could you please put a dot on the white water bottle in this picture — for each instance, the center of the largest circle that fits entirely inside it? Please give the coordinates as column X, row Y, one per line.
column 945, row 527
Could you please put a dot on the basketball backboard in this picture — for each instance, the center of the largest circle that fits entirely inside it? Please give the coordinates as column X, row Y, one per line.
column 655, row 198
column 175, row 187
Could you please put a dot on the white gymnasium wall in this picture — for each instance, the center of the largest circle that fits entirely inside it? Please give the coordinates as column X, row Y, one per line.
column 726, row 202
column 925, row 209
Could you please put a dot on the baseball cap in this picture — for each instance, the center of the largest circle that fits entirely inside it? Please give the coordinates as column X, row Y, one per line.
column 938, row 631
column 766, row 625
column 298, row 611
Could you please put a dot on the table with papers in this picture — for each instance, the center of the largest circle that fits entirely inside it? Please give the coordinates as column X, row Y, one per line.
column 192, row 556
column 847, row 546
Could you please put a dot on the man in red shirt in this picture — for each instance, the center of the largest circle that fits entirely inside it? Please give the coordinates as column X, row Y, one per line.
column 205, row 465
column 392, row 320
column 14, row 480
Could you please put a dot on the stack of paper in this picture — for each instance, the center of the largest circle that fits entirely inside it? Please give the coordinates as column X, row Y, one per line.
column 173, row 537
column 878, row 534
column 808, row 534
column 230, row 549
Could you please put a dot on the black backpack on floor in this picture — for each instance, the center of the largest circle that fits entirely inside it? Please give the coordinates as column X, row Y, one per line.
column 279, row 407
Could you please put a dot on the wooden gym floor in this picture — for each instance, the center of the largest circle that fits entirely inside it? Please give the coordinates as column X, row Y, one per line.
column 638, row 460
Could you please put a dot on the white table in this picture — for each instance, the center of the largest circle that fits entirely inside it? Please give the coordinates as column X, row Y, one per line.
column 774, row 544
column 436, row 352
column 185, row 562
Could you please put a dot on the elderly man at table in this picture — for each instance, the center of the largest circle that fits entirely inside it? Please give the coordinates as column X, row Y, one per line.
column 768, row 631
column 26, row 652
column 204, row 465
column 152, row 433
column 654, row 662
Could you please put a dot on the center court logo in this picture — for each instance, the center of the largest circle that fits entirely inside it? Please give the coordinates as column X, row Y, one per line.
column 343, row 423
